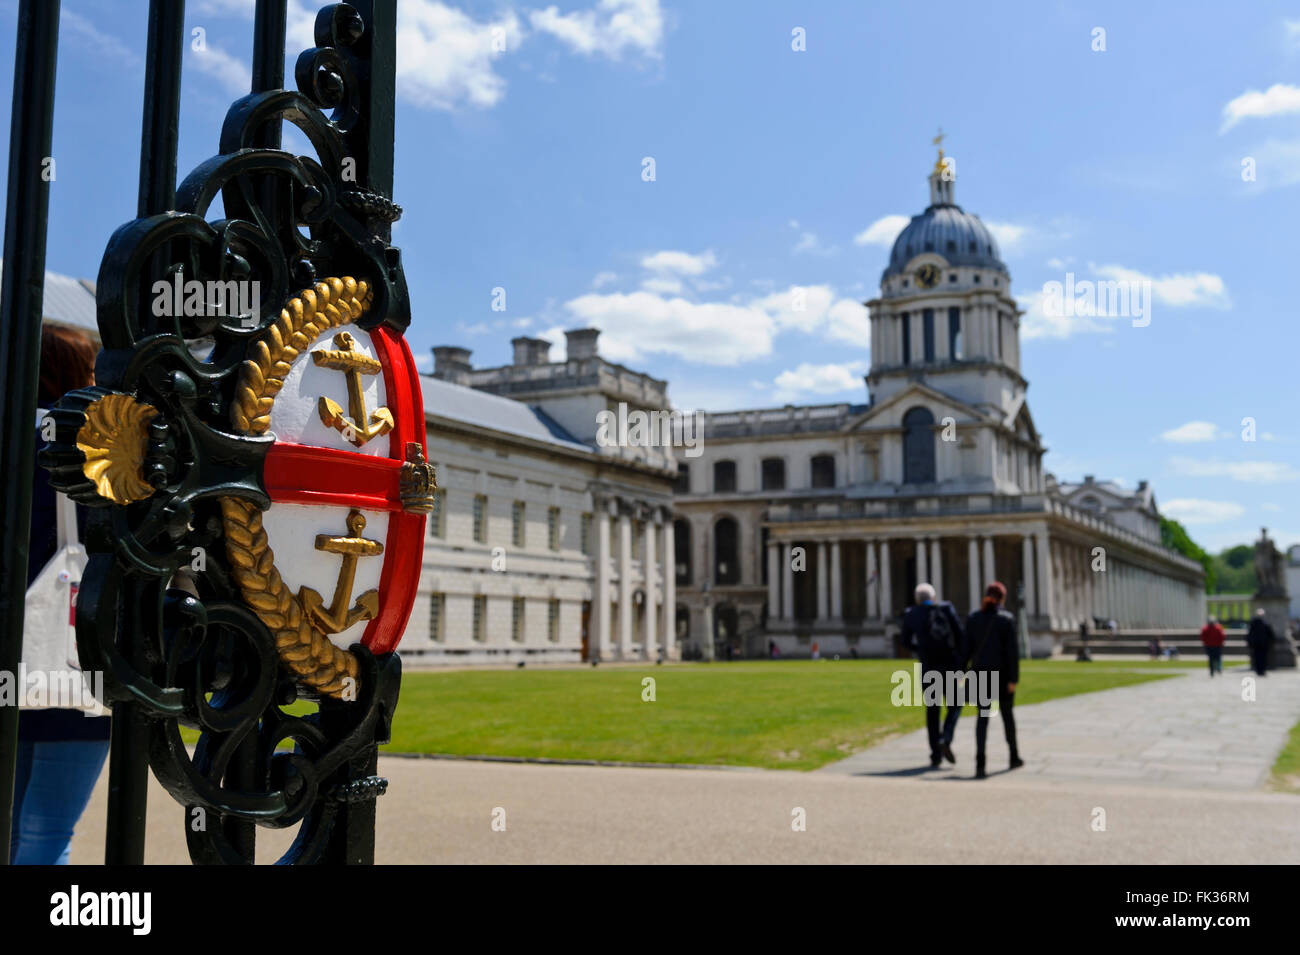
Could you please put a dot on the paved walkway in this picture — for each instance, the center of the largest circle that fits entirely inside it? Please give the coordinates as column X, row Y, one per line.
column 1174, row 766
column 1186, row 731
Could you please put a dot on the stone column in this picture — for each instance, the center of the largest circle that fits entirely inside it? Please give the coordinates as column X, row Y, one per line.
column 973, row 570
column 670, row 587
column 886, row 586
column 837, row 583
column 922, row 565
column 821, row 580
column 600, row 621
column 1043, row 547
column 773, row 581
column 873, row 585
column 787, row 584
column 625, row 588
column 649, row 570
column 936, row 566
column 1027, row 563
column 990, row 572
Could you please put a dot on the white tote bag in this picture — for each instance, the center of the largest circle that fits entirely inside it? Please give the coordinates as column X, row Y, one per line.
column 50, row 674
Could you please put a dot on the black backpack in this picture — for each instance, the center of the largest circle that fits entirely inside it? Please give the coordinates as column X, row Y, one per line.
column 941, row 629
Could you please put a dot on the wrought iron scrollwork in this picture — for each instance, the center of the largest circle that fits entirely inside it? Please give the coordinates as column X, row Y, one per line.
column 203, row 659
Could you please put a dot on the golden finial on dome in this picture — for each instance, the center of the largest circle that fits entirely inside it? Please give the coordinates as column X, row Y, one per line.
column 938, row 141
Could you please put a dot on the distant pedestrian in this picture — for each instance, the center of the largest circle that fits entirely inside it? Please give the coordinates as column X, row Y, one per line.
column 1259, row 636
column 995, row 651
column 1212, row 637
column 816, row 653
column 1083, row 656
column 933, row 631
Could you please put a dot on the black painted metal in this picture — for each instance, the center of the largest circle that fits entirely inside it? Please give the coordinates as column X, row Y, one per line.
column 128, row 772
column 21, row 301
column 181, row 648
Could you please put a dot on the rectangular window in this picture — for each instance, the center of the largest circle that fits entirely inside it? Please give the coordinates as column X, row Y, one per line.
column 927, row 333
column 553, row 621
column 999, row 321
column 480, row 618
column 907, row 338
column 586, row 534
column 517, row 524
column 436, row 607
column 553, row 528
column 480, row 519
column 438, row 516
column 517, row 620
column 683, row 482
column 954, row 333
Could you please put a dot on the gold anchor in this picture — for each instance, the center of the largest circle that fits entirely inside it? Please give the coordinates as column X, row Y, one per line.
column 338, row 617
column 345, row 358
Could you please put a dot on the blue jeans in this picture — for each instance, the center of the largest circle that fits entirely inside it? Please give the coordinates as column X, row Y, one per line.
column 1215, row 655
column 52, row 785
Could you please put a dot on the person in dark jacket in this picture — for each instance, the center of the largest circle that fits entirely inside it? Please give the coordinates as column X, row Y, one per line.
column 940, row 647
column 1259, row 636
column 995, row 660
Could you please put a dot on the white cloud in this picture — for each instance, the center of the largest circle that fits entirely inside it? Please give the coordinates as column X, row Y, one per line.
column 1277, row 163
column 1248, row 472
column 1277, row 100
column 662, row 285
column 559, row 344
column 680, row 263
column 716, row 333
column 1190, row 510
column 1041, row 322
column 1203, row 289
column 230, row 71
column 709, row 333
column 1192, row 432
column 603, row 278
column 1007, row 235
column 446, row 59
column 882, row 232
column 106, row 45
column 1292, row 31
column 609, row 29
column 810, row 379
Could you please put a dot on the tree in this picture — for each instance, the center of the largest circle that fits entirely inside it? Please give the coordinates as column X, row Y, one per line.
column 1174, row 536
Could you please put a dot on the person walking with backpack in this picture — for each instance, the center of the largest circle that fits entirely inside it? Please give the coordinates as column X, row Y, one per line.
column 995, row 662
column 933, row 631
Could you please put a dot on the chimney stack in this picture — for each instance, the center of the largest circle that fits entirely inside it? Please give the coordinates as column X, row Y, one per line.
column 581, row 343
column 531, row 351
column 451, row 363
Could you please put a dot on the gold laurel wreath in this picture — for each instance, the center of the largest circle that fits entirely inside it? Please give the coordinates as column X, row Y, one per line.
column 303, row 648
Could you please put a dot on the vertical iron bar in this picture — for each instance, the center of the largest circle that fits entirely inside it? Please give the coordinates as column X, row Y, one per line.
column 353, row 840
column 268, row 74
column 128, row 766
column 31, row 132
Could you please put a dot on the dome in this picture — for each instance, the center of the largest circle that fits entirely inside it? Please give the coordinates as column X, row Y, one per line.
column 960, row 237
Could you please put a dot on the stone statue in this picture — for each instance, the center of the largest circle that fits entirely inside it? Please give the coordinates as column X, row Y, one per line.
column 1270, row 568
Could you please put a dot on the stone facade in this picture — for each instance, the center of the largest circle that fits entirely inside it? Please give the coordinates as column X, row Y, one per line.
column 812, row 525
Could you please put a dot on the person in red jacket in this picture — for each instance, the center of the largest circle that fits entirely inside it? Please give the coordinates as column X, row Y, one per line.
column 1212, row 637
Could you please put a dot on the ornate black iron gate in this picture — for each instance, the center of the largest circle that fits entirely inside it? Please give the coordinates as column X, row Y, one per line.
column 181, row 606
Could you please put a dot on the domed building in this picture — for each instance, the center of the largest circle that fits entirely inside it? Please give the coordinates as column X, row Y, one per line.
column 811, row 525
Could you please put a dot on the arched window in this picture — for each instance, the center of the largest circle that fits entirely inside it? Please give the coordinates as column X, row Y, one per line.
column 773, row 474
column 1090, row 502
column 726, row 552
column 823, row 470
column 682, row 550
column 724, row 476
column 918, row 447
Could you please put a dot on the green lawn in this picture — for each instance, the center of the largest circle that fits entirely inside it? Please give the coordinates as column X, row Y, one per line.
column 1286, row 771
column 788, row 714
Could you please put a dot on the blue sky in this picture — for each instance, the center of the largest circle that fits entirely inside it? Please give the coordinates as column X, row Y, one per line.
column 777, row 169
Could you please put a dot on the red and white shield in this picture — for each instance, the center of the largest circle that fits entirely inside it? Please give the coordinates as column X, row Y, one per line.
column 335, row 560
column 316, row 477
